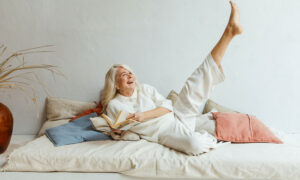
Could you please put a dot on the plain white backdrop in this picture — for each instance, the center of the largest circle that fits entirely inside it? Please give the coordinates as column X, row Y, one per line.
column 163, row 41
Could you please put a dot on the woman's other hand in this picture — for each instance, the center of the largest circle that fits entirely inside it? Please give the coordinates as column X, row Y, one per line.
column 138, row 116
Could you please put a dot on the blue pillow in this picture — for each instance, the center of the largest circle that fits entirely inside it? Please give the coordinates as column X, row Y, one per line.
column 77, row 131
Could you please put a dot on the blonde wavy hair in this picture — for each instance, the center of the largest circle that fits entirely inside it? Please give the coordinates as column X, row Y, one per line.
column 110, row 91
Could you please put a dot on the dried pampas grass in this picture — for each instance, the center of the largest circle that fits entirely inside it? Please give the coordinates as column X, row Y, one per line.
column 16, row 74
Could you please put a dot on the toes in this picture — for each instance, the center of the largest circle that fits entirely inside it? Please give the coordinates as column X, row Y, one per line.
column 234, row 8
column 233, row 5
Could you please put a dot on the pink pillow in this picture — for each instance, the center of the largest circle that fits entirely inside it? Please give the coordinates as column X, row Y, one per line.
column 242, row 128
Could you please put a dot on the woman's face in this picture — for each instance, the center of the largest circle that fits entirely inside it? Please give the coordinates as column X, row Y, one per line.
column 125, row 80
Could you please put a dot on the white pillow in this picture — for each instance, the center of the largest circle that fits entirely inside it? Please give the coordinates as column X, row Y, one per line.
column 59, row 108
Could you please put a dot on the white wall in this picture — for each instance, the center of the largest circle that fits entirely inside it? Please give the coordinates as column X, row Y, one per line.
column 163, row 41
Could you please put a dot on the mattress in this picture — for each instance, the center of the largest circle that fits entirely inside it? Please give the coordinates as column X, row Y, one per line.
column 146, row 159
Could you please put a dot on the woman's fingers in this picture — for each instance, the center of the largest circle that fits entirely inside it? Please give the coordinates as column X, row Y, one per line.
column 131, row 121
column 118, row 131
column 138, row 116
column 130, row 116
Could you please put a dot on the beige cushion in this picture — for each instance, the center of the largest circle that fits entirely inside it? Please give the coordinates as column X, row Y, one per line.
column 210, row 105
column 59, row 108
column 173, row 95
column 51, row 124
column 100, row 124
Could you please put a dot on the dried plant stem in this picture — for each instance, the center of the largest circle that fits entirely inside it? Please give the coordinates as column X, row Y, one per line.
column 26, row 67
column 11, row 79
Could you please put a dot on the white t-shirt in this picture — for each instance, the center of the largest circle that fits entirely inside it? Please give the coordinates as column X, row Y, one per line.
column 143, row 99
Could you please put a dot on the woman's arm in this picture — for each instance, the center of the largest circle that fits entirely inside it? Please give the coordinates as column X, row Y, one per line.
column 144, row 116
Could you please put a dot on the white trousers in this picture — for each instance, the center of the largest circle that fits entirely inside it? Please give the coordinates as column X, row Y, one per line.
column 181, row 135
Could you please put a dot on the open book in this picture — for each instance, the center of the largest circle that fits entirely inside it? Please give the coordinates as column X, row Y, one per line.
column 120, row 122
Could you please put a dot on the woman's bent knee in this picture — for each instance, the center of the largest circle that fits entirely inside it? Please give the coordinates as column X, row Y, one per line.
column 194, row 147
column 187, row 145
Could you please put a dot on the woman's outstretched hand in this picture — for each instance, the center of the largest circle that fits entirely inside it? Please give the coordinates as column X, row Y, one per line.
column 138, row 116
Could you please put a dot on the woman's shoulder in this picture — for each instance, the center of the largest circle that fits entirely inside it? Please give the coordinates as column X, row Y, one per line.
column 114, row 105
column 113, row 102
column 147, row 87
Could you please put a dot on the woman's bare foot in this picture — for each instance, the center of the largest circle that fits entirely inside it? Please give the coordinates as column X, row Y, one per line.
column 234, row 25
column 233, row 28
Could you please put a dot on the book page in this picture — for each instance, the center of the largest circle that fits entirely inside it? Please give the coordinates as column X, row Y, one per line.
column 121, row 118
column 109, row 120
column 128, row 125
column 120, row 122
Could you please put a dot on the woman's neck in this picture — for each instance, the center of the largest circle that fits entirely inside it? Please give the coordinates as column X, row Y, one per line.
column 127, row 92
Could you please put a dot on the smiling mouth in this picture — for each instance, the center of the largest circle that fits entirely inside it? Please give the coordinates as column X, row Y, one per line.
column 130, row 82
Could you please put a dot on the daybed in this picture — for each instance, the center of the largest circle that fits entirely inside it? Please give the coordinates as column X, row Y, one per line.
column 146, row 159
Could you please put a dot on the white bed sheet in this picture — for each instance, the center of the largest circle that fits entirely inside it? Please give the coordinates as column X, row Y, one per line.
column 146, row 159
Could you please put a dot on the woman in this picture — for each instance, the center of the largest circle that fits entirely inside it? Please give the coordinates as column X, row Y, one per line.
column 172, row 126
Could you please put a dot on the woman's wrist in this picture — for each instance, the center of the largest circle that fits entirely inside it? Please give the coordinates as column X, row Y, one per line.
column 140, row 116
column 145, row 116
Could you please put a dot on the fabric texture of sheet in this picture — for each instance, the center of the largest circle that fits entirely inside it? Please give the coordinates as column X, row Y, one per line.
column 146, row 159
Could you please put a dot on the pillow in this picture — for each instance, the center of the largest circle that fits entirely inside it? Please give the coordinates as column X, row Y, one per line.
column 173, row 95
column 213, row 105
column 97, row 110
column 242, row 128
column 59, row 108
column 51, row 124
column 76, row 131
column 100, row 124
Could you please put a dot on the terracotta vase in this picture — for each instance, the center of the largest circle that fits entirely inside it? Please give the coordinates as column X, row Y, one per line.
column 6, row 127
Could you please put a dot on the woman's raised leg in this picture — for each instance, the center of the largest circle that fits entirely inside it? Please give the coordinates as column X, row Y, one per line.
column 233, row 28
column 199, row 85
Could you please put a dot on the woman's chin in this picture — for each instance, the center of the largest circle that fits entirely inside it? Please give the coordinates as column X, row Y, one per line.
column 132, row 86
